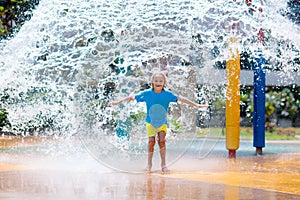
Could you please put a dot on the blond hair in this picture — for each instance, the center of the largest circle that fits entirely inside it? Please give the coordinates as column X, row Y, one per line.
column 159, row 74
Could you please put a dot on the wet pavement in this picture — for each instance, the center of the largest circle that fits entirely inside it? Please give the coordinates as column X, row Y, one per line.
column 37, row 168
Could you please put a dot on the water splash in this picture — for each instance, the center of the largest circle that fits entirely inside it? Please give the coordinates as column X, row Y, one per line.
column 72, row 57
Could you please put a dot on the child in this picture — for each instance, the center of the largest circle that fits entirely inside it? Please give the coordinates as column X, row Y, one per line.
column 157, row 101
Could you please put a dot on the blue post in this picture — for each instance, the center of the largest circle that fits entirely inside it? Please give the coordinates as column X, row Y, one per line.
column 259, row 85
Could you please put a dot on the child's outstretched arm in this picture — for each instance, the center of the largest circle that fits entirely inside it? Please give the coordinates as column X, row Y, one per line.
column 191, row 103
column 126, row 99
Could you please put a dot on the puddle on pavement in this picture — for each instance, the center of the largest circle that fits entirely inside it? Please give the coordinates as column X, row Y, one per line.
column 33, row 168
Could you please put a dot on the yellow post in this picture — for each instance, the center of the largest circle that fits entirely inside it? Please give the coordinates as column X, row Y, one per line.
column 233, row 71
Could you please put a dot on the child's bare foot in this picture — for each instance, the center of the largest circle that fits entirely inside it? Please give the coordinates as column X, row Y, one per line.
column 148, row 168
column 164, row 170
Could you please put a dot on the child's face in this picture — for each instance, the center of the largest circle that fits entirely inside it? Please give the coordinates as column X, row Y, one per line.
column 158, row 83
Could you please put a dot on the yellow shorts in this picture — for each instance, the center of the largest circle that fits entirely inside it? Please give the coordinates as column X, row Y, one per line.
column 151, row 130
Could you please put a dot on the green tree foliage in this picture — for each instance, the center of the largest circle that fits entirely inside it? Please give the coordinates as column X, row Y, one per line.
column 13, row 14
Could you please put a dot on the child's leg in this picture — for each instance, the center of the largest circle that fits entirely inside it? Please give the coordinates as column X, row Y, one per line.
column 151, row 143
column 162, row 147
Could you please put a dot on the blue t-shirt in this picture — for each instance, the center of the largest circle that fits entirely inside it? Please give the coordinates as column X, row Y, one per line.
column 157, row 105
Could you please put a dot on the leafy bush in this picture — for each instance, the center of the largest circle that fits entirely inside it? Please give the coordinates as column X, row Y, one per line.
column 285, row 100
column 4, row 118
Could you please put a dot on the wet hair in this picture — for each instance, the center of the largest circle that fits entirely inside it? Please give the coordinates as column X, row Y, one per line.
column 159, row 74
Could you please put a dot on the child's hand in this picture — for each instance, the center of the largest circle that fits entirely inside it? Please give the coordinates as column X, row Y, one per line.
column 202, row 106
column 113, row 103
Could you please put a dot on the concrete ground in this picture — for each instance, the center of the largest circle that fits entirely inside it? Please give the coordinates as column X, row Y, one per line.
column 37, row 168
